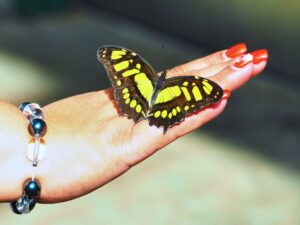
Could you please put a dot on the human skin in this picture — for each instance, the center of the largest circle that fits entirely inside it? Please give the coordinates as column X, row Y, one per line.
column 89, row 143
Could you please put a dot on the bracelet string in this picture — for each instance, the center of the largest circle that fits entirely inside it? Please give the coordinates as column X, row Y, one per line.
column 36, row 151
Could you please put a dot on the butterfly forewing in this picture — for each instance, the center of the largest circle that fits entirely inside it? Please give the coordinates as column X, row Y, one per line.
column 132, row 78
column 182, row 96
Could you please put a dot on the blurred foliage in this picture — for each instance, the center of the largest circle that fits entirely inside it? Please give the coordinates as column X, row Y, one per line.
column 37, row 7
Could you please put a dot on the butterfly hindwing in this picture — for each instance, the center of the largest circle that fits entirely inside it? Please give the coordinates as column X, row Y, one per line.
column 132, row 79
column 182, row 96
column 131, row 103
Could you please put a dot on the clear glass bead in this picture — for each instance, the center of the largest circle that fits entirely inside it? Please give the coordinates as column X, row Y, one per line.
column 36, row 150
column 33, row 111
column 23, row 205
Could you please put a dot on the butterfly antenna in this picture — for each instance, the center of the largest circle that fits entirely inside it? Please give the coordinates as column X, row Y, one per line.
column 162, row 50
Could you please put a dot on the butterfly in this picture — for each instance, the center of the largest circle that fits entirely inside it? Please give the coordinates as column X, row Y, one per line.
column 141, row 93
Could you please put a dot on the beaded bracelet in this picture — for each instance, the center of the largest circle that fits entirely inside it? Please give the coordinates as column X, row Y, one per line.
column 35, row 153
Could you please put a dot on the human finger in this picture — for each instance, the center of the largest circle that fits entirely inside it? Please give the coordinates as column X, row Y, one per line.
column 260, row 58
column 241, row 71
column 215, row 58
column 208, row 71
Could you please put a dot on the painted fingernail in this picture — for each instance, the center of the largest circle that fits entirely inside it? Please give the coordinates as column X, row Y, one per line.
column 243, row 61
column 259, row 56
column 236, row 51
column 226, row 94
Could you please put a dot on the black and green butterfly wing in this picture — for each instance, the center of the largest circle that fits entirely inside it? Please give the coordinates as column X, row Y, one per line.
column 182, row 96
column 132, row 78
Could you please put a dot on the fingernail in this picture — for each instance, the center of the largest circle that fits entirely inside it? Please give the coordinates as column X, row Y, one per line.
column 236, row 51
column 259, row 56
column 243, row 61
column 226, row 94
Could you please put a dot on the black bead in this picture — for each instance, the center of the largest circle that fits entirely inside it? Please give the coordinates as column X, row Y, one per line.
column 37, row 126
column 23, row 105
column 32, row 189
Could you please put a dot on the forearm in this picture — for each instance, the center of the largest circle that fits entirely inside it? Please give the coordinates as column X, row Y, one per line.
column 14, row 137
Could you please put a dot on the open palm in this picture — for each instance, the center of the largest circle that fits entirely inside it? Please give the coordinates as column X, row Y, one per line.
column 90, row 144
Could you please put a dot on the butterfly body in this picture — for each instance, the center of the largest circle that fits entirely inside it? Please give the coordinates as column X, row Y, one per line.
column 158, row 86
column 142, row 94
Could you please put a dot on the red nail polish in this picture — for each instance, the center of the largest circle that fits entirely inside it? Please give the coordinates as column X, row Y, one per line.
column 226, row 94
column 259, row 56
column 243, row 61
column 236, row 50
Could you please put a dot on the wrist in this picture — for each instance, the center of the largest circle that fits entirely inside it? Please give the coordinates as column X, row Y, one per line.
column 13, row 142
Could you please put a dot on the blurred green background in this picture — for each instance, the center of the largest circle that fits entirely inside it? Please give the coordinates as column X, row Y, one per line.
column 242, row 168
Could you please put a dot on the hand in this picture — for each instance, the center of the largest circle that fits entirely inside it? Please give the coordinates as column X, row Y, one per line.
column 89, row 144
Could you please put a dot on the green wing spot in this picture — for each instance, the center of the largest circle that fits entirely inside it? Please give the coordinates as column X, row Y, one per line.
column 117, row 54
column 168, row 94
column 197, row 93
column 144, row 85
column 186, row 93
column 121, row 66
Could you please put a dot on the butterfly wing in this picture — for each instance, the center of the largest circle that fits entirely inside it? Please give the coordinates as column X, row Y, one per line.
column 181, row 97
column 132, row 79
